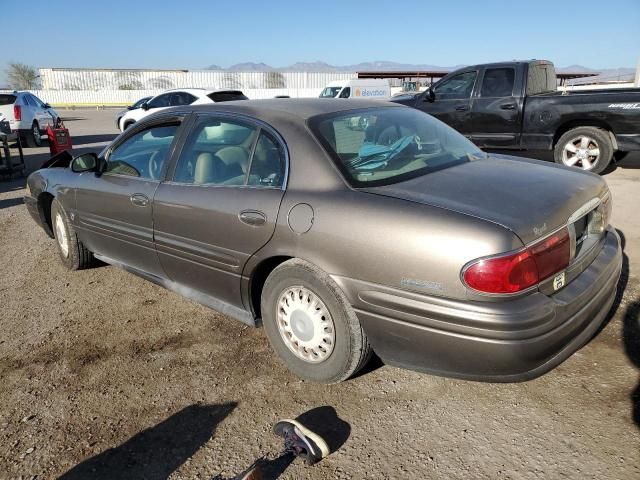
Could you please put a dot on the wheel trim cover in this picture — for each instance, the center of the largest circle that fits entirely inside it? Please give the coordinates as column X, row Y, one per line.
column 61, row 236
column 305, row 324
column 36, row 133
column 582, row 152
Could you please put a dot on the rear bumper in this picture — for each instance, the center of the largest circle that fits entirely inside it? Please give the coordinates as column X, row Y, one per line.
column 505, row 341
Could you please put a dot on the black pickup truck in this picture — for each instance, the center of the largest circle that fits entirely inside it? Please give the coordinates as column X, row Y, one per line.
column 517, row 105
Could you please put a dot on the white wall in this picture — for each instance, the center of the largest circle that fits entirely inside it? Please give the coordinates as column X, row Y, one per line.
column 127, row 97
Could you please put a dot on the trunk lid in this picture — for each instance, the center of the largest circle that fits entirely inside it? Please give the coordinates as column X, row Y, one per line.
column 529, row 197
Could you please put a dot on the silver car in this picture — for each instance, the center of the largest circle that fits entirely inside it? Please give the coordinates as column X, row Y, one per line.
column 27, row 115
column 400, row 237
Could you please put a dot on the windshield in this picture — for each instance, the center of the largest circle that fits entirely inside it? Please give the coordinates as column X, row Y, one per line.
column 139, row 103
column 330, row 92
column 381, row 146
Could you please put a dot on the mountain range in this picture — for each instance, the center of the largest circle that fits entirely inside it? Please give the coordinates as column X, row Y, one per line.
column 386, row 66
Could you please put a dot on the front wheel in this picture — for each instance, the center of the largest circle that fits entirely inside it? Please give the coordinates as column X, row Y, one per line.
column 311, row 325
column 589, row 148
column 73, row 254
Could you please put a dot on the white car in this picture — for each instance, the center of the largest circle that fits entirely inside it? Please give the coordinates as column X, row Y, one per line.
column 27, row 115
column 176, row 97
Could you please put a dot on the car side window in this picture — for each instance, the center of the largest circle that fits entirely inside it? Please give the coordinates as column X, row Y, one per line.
column 144, row 154
column 182, row 98
column 163, row 100
column 217, row 152
column 29, row 101
column 268, row 162
column 498, row 82
column 456, row 88
column 345, row 92
column 37, row 101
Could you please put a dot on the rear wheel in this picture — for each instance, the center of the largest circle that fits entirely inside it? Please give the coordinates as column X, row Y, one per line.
column 311, row 325
column 73, row 253
column 589, row 148
column 33, row 138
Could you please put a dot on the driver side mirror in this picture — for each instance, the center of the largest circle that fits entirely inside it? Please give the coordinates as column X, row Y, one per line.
column 46, row 106
column 145, row 106
column 87, row 162
column 429, row 95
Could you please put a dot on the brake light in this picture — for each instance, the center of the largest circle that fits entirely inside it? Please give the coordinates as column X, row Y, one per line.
column 514, row 272
column 17, row 112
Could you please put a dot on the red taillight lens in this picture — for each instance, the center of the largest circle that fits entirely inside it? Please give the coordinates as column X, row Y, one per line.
column 518, row 271
column 17, row 112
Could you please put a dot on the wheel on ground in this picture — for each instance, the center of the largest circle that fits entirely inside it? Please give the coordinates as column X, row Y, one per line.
column 589, row 148
column 73, row 253
column 311, row 325
column 33, row 138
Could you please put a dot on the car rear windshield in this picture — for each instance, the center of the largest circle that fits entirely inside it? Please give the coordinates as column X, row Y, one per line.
column 381, row 146
column 7, row 99
column 227, row 96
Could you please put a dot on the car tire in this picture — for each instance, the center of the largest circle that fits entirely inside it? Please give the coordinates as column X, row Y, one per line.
column 574, row 148
column 319, row 312
column 32, row 138
column 73, row 254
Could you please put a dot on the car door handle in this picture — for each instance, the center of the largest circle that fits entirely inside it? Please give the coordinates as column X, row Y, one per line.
column 508, row 106
column 462, row 108
column 255, row 218
column 139, row 200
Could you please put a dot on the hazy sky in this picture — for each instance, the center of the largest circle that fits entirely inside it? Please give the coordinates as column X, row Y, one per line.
column 195, row 34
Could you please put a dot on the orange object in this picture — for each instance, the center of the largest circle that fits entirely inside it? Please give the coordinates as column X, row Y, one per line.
column 59, row 139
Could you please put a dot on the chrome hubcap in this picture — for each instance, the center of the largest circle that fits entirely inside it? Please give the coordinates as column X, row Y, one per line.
column 305, row 325
column 581, row 152
column 61, row 235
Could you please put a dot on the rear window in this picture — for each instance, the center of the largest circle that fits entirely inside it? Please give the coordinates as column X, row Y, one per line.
column 541, row 79
column 227, row 96
column 7, row 99
column 382, row 146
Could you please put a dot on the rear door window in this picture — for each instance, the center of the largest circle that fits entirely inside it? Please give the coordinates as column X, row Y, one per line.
column 498, row 82
column 227, row 96
column 7, row 99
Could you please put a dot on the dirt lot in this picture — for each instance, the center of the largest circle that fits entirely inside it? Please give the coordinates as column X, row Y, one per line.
column 104, row 375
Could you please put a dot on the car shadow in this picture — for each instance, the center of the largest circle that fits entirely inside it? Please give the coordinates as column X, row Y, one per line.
column 156, row 452
column 630, row 330
column 10, row 202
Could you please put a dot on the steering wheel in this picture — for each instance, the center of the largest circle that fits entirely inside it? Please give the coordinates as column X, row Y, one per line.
column 156, row 162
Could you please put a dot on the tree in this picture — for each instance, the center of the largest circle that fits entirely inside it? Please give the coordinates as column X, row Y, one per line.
column 21, row 76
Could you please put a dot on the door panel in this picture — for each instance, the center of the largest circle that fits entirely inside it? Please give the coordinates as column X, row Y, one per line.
column 221, row 206
column 114, row 210
column 201, row 240
column 109, row 222
column 452, row 103
column 497, row 109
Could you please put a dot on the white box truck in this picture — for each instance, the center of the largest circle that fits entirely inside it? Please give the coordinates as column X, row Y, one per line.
column 372, row 88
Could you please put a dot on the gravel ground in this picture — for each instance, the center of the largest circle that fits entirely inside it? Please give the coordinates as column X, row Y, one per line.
column 104, row 375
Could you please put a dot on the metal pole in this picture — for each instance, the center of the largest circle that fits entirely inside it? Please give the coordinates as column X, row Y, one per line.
column 638, row 74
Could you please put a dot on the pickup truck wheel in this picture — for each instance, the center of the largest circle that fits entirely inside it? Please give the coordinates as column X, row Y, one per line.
column 588, row 148
column 73, row 253
column 33, row 138
column 311, row 325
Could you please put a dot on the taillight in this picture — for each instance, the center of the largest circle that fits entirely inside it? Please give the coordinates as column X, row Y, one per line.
column 17, row 112
column 514, row 272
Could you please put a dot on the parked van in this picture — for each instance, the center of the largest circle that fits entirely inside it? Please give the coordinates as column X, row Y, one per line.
column 357, row 89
